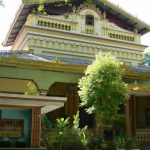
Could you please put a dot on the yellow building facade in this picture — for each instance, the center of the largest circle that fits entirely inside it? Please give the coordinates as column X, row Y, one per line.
column 52, row 51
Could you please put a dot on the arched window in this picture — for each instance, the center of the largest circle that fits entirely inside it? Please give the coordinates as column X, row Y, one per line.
column 89, row 20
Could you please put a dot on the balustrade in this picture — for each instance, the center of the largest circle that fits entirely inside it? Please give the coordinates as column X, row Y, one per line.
column 54, row 25
column 143, row 135
column 121, row 37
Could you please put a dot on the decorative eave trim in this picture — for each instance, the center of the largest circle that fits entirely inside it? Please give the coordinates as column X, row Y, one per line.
column 12, row 26
column 136, row 74
column 42, row 65
column 138, row 88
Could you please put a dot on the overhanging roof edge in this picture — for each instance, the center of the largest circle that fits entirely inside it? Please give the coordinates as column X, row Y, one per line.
column 5, row 43
column 125, row 13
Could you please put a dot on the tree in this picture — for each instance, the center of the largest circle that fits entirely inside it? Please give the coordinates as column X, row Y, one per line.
column 146, row 60
column 102, row 90
column 1, row 3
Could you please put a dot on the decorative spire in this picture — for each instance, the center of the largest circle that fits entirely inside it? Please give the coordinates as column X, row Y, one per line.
column 32, row 89
column 104, row 15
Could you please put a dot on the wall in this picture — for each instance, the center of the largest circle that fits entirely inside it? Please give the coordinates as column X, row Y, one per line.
column 42, row 78
column 16, row 113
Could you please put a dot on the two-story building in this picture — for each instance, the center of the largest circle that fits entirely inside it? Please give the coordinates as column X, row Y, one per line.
column 50, row 52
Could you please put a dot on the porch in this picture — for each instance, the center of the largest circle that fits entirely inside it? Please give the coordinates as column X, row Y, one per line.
column 20, row 121
column 138, row 117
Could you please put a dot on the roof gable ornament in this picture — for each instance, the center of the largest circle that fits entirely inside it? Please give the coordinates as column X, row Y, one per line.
column 138, row 88
column 89, row 4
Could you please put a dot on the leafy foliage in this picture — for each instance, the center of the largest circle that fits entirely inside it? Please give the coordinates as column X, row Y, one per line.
column 146, row 60
column 102, row 89
column 32, row 89
column 132, row 143
column 66, row 135
column 1, row 3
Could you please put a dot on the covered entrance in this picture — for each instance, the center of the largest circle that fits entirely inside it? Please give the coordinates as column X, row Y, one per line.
column 20, row 117
column 138, row 112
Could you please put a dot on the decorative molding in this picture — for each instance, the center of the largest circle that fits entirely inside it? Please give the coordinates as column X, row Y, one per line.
column 42, row 65
column 135, row 74
column 88, row 4
column 138, row 88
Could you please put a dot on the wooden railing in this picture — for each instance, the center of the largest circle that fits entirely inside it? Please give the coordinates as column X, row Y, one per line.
column 143, row 135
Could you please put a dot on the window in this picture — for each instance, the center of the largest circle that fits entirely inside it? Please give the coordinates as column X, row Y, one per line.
column 89, row 20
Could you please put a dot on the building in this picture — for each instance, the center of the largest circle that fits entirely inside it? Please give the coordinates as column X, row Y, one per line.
column 49, row 55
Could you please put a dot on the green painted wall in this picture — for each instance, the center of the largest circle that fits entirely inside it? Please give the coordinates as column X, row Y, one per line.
column 15, row 113
column 43, row 78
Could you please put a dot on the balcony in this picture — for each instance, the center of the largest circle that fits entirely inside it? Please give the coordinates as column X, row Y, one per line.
column 89, row 29
column 54, row 22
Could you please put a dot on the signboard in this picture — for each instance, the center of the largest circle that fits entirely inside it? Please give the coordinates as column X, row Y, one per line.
column 11, row 128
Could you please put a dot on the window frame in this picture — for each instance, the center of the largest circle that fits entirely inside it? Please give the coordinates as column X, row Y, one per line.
column 89, row 20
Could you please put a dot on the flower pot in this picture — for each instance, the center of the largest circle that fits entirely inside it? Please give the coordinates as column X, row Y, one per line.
column 120, row 148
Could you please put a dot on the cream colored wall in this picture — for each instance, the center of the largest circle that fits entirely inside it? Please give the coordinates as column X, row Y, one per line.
column 60, row 36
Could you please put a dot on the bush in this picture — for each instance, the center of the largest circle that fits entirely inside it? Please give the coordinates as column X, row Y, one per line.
column 132, row 143
column 111, row 146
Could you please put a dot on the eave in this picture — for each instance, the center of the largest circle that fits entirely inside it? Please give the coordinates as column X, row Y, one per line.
column 46, row 103
column 115, row 14
column 118, row 15
column 42, row 65
column 58, row 66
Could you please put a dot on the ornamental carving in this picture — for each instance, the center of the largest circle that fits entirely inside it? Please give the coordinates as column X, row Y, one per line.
column 138, row 88
column 88, row 4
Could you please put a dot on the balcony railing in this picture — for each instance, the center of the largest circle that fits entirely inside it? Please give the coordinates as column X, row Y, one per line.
column 143, row 135
column 54, row 25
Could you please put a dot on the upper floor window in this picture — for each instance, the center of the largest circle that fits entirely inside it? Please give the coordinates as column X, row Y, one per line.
column 89, row 20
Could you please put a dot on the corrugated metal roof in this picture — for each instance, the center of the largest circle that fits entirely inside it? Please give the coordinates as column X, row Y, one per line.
column 140, row 69
column 26, row 55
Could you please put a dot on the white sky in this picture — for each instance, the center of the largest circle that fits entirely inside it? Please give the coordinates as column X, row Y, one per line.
column 139, row 8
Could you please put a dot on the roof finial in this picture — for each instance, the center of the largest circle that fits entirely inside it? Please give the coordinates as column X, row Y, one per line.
column 104, row 15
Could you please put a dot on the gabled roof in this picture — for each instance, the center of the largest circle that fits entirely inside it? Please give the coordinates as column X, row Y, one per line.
column 114, row 14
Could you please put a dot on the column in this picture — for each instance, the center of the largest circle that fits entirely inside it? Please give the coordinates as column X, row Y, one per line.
column 36, row 127
column 127, row 114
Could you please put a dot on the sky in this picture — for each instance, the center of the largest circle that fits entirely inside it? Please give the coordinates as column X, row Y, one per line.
column 138, row 8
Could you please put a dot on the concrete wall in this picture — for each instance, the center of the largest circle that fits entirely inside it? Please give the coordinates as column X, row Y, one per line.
column 43, row 79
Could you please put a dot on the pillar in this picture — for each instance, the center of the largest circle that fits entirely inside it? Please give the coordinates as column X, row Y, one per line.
column 127, row 114
column 36, row 127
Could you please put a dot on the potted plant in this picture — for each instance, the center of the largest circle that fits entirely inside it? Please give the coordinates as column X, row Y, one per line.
column 111, row 145
column 132, row 144
column 98, row 143
column 121, row 142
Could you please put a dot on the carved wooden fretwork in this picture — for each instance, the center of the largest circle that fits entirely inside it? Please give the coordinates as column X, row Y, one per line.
column 88, row 4
column 138, row 88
